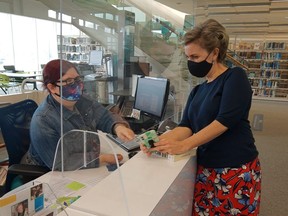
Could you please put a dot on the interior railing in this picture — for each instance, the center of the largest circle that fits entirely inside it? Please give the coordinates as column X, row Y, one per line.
column 236, row 60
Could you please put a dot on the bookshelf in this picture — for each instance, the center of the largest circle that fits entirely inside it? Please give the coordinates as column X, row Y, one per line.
column 76, row 49
column 267, row 64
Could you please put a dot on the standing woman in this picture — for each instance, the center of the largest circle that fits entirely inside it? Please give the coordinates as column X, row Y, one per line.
column 215, row 119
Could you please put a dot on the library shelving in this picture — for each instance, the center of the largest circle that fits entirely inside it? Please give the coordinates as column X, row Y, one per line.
column 267, row 64
column 76, row 49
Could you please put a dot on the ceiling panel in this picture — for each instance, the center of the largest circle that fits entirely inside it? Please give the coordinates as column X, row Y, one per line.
column 221, row 10
column 248, row 1
column 256, row 9
column 185, row 6
column 238, row 16
column 255, row 17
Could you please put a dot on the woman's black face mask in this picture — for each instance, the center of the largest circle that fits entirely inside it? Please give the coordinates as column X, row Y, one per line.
column 199, row 69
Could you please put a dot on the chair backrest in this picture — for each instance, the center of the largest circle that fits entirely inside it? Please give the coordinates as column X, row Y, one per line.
column 4, row 79
column 15, row 124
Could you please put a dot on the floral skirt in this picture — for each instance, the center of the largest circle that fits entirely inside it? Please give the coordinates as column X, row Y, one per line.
column 228, row 191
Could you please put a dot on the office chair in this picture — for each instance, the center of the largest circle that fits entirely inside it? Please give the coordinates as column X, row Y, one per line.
column 15, row 123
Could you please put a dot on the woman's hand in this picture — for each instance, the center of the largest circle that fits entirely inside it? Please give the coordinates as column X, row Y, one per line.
column 166, row 146
column 123, row 132
column 145, row 150
column 110, row 158
column 170, row 146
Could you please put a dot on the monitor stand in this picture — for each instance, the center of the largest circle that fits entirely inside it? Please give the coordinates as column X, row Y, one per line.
column 143, row 124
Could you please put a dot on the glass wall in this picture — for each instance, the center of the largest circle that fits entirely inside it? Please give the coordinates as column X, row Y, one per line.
column 27, row 42
column 104, row 39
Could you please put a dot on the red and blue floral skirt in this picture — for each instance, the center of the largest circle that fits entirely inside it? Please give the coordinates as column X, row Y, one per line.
column 228, row 191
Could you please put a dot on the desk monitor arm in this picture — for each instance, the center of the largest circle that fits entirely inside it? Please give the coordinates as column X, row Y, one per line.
column 166, row 125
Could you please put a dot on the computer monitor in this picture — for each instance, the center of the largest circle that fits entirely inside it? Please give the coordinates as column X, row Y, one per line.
column 96, row 57
column 151, row 96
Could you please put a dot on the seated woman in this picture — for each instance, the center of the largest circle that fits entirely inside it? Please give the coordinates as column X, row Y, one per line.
column 79, row 112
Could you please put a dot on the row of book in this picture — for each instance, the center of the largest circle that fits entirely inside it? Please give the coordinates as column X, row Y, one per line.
column 266, row 74
column 264, row 55
column 74, row 57
column 75, row 40
column 80, row 48
column 269, row 93
column 260, row 46
column 274, row 45
column 274, row 65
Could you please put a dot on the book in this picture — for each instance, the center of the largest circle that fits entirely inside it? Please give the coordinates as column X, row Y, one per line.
column 177, row 157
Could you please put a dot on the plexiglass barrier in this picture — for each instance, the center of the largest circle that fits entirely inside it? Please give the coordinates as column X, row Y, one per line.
column 82, row 159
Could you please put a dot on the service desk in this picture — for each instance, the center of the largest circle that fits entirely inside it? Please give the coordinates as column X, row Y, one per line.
column 153, row 186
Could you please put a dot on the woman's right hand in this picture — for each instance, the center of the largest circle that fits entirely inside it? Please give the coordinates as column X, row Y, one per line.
column 145, row 150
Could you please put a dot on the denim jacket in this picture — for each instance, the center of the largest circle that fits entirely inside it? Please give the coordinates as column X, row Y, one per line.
column 45, row 129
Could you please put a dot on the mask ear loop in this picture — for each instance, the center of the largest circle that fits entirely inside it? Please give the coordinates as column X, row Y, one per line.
column 208, row 56
column 218, row 54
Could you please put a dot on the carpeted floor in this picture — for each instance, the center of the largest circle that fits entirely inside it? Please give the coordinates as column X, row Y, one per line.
column 273, row 151
column 272, row 143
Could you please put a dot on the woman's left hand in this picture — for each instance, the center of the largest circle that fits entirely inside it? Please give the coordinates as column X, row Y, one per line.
column 170, row 146
column 123, row 132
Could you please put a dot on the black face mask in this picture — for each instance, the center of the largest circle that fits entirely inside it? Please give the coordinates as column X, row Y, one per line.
column 199, row 69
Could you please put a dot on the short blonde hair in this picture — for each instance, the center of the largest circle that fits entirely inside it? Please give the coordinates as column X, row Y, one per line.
column 209, row 35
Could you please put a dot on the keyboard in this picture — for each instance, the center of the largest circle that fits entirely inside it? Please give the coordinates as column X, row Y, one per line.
column 126, row 111
column 127, row 146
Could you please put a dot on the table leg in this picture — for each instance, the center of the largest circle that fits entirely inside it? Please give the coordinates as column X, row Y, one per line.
column 3, row 89
column 35, row 86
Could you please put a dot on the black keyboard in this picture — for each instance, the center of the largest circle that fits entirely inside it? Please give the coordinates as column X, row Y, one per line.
column 126, row 112
column 127, row 146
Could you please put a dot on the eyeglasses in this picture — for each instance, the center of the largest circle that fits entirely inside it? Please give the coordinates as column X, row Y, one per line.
column 71, row 81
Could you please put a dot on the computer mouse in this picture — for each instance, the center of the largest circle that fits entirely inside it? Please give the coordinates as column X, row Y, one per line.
column 131, row 154
column 112, row 167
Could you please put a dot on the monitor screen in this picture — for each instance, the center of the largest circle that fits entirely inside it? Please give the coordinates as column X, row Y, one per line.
column 151, row 96
column 96, row 57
